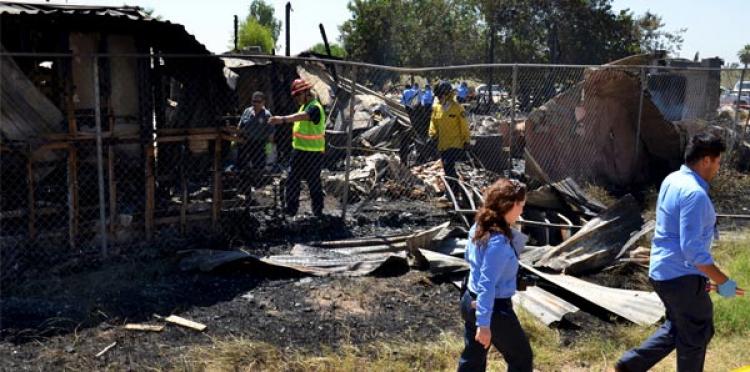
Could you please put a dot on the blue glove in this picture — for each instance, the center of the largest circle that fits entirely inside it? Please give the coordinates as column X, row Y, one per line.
column 728, row 289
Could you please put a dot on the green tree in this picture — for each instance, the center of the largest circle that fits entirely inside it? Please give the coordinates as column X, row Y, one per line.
column 744, row 55
column 252, row 33
column 551, row 31
column 648, row 28
column 336, row 50
column 414, row 33
column 450, row 32
column 264, row 14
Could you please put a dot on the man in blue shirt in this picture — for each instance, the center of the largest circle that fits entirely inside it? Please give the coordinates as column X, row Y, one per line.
column 408, row 95
column 427, row 97
column 681, row 262
column 462, row 93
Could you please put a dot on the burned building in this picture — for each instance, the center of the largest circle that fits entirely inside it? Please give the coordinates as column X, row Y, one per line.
column 151, row 85
column 624, row 124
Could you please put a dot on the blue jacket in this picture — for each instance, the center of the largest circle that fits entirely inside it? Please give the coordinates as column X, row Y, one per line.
column 493, row 269
column 410, row 97
column 462, row 91
column 685, row 226
column 427, row 98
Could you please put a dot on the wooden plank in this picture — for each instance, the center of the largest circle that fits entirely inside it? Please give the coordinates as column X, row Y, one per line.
column 183, row 185
column 16, row 213
column 150, row 190
column 216, row 209
column 70, row 105
column 106, row 349
column 182, row 131
column 31, row 201
column 185, row 137
column 171, row 220
column 185, row 323
column 112, row 189
column 73, row 212
column 144, row 327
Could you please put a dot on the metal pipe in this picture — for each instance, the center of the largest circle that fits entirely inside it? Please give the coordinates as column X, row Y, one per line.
column 328, row 51
column 640, row 113
column 526, row 222
column 349, row 128
column 287, row 12
column 236, row 31
column 514, row 99
column 99, row 157
column 737, row 108
column 406, row 70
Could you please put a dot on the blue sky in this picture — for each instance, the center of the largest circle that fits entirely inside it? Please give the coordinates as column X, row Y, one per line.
column 714, row 27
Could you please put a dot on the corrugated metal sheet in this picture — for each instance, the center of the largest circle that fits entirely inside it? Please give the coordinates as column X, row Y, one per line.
column 173, row 34
column 543, row 305
column 640, row 307
column 354, row 257
column 131, row 12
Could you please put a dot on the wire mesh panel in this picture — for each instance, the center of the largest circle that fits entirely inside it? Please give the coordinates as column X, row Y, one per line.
column 127, row 151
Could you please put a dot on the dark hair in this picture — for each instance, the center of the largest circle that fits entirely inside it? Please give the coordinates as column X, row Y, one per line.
column 705, row 143
column 499, row 198
column 259, row 95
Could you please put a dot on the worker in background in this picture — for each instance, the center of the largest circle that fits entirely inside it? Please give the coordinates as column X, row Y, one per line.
column 449, row 128
column 407, row 95
column 427, row 97
column 414, row 102
column 308, row 146
column 681, row 264
column 492, row 252
column 462, row 93
column 257, row 132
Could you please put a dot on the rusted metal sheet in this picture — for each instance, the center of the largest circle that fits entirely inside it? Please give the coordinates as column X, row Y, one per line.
column 640, row 307
column 354, row 257
column 598, row 242
column 543, row 305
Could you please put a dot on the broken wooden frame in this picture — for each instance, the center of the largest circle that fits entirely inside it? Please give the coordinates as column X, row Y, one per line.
column 70, row 142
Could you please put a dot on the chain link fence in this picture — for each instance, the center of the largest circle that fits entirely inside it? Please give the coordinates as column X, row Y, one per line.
column 103, row 154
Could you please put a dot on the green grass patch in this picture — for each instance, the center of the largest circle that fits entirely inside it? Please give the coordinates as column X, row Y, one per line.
column 732, row 316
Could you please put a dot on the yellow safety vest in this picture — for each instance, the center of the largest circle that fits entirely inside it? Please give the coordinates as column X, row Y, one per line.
column 309, row 136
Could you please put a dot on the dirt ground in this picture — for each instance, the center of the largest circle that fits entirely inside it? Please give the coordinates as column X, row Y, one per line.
column 58, row 319
column 60, row 316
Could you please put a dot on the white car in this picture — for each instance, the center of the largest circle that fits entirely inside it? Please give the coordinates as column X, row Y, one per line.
column 498, row 94
column 745, row 87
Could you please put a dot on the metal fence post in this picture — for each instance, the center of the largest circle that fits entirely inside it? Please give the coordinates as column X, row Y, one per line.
column 514, row 100
column 99, row 158
column 643, row 82
column 349, row 129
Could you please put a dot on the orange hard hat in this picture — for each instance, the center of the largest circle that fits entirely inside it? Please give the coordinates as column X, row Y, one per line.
column 300, row 85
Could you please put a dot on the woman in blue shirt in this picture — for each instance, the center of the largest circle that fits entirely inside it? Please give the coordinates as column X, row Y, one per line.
column 486, row 308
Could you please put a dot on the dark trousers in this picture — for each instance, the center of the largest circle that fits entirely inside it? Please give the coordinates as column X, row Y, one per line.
column 304, row 165
column 252, row 154
column 688, row 328
column 507, row 336
column 449, row 158
column 251, row 159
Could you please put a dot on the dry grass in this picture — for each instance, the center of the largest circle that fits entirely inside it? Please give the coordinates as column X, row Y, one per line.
column 591, row 352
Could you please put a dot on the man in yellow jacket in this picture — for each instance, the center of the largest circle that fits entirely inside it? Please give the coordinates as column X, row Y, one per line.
column 449, row 127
